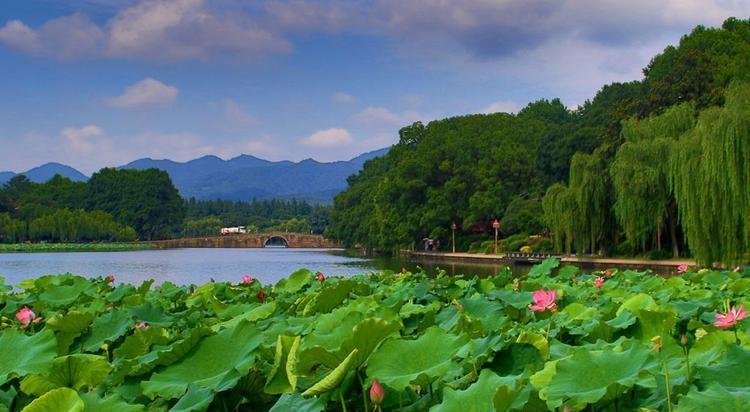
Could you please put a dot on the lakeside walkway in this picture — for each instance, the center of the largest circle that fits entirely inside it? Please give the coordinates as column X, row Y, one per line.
column 503, row 259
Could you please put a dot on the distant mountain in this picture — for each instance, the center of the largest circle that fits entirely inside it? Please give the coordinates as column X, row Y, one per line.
column 46, row 172
column 241, row 178
column 247, row 177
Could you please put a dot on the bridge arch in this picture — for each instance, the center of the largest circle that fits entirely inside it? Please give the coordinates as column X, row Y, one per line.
column 275, row 241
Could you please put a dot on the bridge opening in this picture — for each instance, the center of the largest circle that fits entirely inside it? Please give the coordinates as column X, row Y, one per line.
column 276, row 241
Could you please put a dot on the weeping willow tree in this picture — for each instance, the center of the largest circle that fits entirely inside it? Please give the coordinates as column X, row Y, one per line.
column 709, row 175
column 559, row 205
column 579, row 214
column 644, row 203
column 590, row 183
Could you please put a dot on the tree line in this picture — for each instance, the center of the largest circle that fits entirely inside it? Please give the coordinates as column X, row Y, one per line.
column 206, row 217
column 113, row 205
column 657, row 165
column 125, row 205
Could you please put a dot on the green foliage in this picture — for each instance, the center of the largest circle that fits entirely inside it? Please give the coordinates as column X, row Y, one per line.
column 434, row 343
column 709, row 175
column 258, row 215
column 146, row 200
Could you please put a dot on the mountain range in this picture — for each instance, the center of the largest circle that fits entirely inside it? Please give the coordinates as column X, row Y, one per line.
column 243, row 177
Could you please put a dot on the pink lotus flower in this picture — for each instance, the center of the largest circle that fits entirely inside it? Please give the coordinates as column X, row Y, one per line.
column 682, row 268
column 607, row 273
column 141, row 325
column 247, row 279
column 599, row 282
column 734, row 315
column 111, row 278
column 320, row 277
column 544, row 300
column 377, row 394
column 27, row 317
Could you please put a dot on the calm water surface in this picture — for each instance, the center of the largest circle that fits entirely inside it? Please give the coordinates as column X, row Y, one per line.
column 185, row 266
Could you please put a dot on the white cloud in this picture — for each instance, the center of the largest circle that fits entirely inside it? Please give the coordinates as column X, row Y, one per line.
column 64, row 37
column 149, row 29
column 380, row 117
column 329, row 137
column 145, row 93
column 345, row 98
column 83, row 139
column 187, row 29
column 503, row 106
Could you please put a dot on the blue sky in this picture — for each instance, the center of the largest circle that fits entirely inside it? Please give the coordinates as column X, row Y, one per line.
column 95, row 83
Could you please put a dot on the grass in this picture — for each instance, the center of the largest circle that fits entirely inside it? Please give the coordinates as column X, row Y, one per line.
column 72, row 247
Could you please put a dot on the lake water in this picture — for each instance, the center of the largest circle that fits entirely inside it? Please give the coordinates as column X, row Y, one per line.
column 185, row 266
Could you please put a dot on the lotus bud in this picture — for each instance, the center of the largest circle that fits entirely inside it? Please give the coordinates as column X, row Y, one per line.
column 261, row 296
column 247, row 279
column 320, row 277
column 376, row 393
column 683, row 340
column 111, row 278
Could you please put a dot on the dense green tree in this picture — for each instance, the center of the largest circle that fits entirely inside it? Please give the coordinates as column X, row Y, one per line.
column 143, row 199
column 644, row 203
column 205, row 226
column 710, row 174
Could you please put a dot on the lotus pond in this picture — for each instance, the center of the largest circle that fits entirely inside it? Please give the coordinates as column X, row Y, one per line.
column 552, row 339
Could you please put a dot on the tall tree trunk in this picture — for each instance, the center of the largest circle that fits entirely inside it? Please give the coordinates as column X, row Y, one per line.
column 658, row 236
column 672, row 221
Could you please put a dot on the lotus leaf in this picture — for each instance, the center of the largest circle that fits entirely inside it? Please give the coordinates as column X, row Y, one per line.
column 71, row 371
column 217, row 363
column 400, row 362
column 57, row 400
column 21, row 354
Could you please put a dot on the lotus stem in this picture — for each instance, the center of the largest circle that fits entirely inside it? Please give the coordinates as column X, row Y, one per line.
column 666, row 379
column 364, row 392
column 343, row 404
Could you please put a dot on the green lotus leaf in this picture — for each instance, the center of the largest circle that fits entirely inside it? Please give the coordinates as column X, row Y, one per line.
column 57, row 400
column 166, row 355
column 152, row 314
column 21, row 354
column 400, row 362
column 71, row 371
column 259, row 312
column 7, row 397
column 476, row 398
column 69, row 326
column 140, row 342
column 333, row 379
column 106, row 329
column 654, row 320
column 518, row 300
column 585, row 377
column 544, row 268
column 715, row 398
column 65, row 294
column 111, row 403
column 330, row 297
column 217, row 363
column 295, row 402
column 489, row 312
column 710, row 347
column 294, row 282
column 196, row 399
column 536, row 340
column 283, row 378
column 731, row 372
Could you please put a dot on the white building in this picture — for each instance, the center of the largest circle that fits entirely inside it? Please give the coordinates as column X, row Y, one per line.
column 233, row 230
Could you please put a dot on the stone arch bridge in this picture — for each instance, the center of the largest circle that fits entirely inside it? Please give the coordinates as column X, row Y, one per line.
column 249, row 240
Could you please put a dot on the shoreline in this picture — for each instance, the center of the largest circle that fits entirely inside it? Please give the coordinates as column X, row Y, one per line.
column 73, row 247
column 531, row 260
